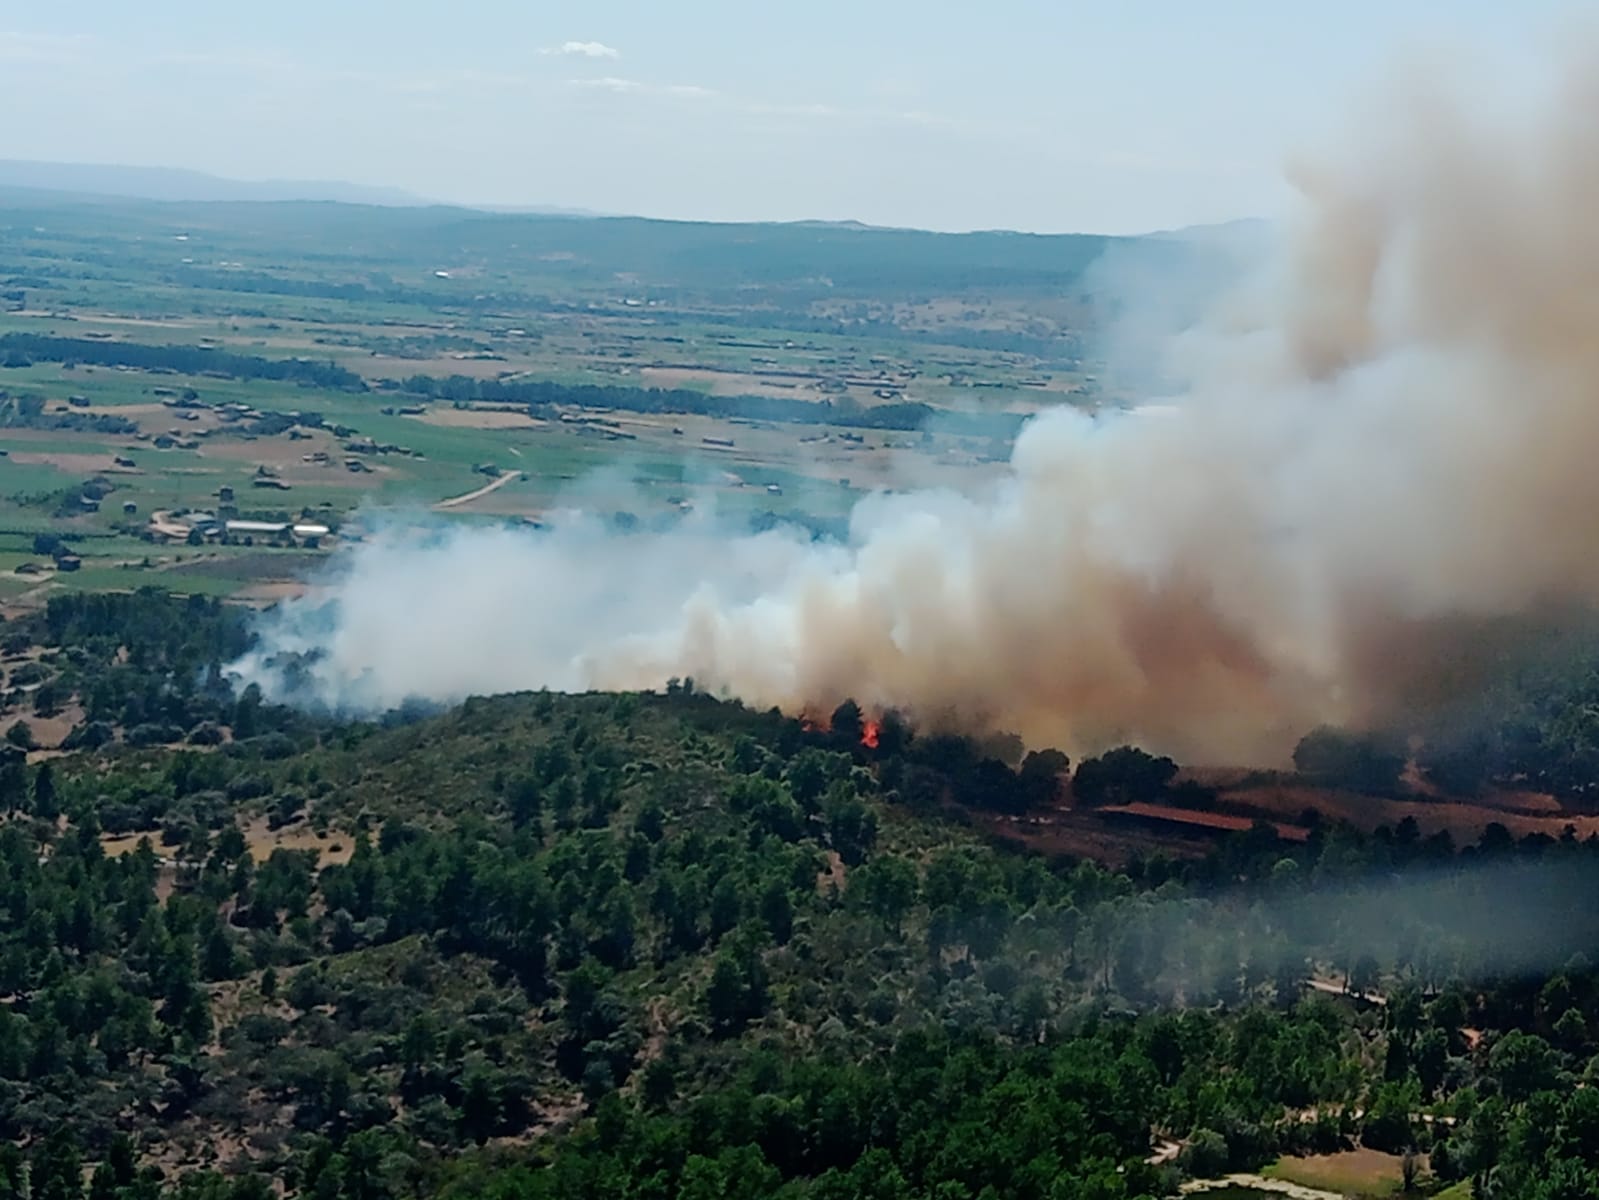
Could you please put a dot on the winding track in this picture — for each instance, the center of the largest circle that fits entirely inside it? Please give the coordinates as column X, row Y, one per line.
column 498, row 481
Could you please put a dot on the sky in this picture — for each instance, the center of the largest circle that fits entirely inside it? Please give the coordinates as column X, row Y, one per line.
column 1113, row 116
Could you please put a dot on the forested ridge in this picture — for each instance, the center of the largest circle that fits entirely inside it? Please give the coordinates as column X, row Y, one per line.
column 660, row 945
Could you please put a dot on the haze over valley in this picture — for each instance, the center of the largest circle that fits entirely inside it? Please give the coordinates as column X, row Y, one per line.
column 798, row 605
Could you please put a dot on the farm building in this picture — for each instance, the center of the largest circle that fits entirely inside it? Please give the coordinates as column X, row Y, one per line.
column 306, row 531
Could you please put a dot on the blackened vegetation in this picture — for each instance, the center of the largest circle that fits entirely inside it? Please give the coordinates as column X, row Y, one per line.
column 1125, row 775
column 662, row 945
column 1370, row 763
column 1527, row 718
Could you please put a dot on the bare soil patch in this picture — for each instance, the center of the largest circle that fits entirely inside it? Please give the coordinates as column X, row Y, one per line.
column 146, row 322
column 1361, row 1172
column 153, row 408
column 834, row 875
column 76, row 463
column 261, row 566
column 117, row 844
column 1465, row 820
column 279, row 451
column 49, row 732
column 1084, row 835
column 477, row 418
column 286, row 460
column 271, row 592
column 15, row 437
column 731, row 383
column 331, row 847
column 472, row 368
column 819, row 452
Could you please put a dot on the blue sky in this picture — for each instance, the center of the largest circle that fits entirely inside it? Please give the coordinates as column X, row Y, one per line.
column 1115, row 116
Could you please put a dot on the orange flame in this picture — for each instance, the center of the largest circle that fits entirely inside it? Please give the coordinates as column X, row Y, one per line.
column 869, row 732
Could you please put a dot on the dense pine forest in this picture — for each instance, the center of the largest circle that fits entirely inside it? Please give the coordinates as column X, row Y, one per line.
column 661, row 945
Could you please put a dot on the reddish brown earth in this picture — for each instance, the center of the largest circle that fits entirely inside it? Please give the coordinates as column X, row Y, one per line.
column 1114, row 834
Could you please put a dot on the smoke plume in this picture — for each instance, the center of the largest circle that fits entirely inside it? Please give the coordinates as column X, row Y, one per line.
column 1385, row 440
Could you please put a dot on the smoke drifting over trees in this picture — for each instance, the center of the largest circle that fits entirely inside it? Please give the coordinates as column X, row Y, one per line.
column 1382, row 443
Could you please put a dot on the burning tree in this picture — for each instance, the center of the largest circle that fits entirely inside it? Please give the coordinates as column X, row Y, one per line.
column 848, row 723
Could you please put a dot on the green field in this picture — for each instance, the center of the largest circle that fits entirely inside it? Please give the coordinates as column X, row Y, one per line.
column 976, row 328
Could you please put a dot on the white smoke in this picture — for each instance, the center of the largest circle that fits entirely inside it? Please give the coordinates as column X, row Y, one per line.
column 1391, row 433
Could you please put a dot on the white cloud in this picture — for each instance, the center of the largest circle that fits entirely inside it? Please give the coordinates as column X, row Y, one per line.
column 609, row 83
column 584, row 49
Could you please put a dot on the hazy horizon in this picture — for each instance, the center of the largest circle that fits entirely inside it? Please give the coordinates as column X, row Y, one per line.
column 1033, row 118
column 163, row 183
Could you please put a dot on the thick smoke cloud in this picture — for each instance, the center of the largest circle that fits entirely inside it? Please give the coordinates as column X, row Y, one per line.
column 1386, row 439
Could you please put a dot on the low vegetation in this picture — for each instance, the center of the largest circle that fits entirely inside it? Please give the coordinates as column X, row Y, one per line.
column 661, row 945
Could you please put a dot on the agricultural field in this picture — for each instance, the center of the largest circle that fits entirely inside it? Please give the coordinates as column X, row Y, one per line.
column 303, row 364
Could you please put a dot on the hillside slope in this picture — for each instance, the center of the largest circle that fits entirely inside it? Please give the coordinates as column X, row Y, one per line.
column 660, row 945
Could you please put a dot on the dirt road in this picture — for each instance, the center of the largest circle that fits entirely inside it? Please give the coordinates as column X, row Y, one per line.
column 1331, row 987
column 498, row 481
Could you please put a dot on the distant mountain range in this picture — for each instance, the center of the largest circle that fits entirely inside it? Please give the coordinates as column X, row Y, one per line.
column 174, row 183
column 183, row 186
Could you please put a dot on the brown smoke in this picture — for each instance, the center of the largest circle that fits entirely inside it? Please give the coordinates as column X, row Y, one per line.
column 1401, row 441
column 1388, row 439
